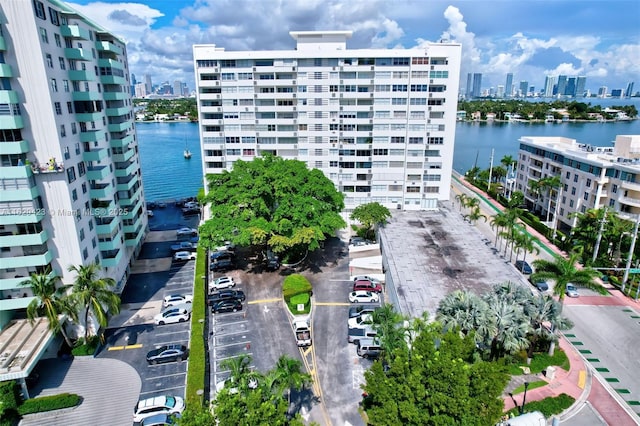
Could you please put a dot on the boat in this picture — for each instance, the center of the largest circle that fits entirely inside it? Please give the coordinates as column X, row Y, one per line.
column 187, row 153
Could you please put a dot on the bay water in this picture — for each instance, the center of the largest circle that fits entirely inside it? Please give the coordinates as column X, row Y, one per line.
column 167, row 175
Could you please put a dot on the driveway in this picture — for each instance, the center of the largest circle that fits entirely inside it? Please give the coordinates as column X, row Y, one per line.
column 109, row 389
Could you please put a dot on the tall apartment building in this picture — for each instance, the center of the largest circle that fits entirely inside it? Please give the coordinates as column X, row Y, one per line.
column 549, row 82
column 629, row 90
column 71, row 191
column 508, row 87
column 379, row 123
column 524, row 88
column 469, row 87
column 581, row 83
column 591, row 177
column 477, row 85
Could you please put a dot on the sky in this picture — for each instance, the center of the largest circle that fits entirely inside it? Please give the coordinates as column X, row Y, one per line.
column 529, row 38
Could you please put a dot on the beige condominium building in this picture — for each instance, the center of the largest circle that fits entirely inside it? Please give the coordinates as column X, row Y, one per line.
column 380, row 123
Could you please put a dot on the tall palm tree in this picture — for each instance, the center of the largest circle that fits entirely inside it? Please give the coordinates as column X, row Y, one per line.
column 507, row 161
column 474, row 215
column 527, row 243
column 550, row 184
column 93, row 294
column 291, row 376
column 543, row 310
column 462, row 200
column 51, row 301
column 499, row 221
column 240, row 373
column 509, row 324
column 387, row 323
column 466, row 312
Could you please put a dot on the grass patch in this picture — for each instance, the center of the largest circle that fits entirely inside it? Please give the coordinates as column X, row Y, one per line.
column 197, row 359
column 49, row 403
column 296, row 290
column 540, row 362
column 299, row 299
column 84, row 349
column 532, row 385
column 548, row 407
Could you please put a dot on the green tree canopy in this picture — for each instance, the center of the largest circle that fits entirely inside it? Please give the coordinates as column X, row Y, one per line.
column 369, row 215
column 274, row 202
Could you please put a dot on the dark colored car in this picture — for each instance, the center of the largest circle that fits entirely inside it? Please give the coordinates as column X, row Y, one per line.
column 168, row 353
column 220, row 254
column 523, row 267
column 367, row 285
column 542, row 286
column 191, row 211
column 220, row 265
column 221, row 295
column 355, row 311
column 184, row 246
column 229, row 305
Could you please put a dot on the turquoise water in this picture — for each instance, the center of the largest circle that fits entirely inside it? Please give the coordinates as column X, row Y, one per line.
column 167, row 175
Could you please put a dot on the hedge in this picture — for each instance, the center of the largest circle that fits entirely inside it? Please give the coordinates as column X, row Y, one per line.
column 295, row 284
column 9, row 400
column 549, row 406
column 196, row 370
column 48, row 403
column 299, row 299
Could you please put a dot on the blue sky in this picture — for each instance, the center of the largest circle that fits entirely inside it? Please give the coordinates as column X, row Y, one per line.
column 530, row 38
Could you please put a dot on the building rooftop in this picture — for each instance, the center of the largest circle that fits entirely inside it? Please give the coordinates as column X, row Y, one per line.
column 21, row 345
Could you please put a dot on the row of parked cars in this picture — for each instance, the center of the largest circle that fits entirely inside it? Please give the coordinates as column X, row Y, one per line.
column 360, row 322
column 543, row 286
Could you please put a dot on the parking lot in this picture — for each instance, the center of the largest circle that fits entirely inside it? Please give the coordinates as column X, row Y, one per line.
column 133, row 333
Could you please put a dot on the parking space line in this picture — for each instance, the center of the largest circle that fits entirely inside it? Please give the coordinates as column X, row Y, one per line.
column 120, row 348
column 163, row 390
column 222, row 358
column 224, row 372
column 332, row 304
column 176, row 362
column 171, row 332
column 231, row 333
column 255, row 302
column 173, row 342
column 165, row 376
column 231, row 322
column 233, row 344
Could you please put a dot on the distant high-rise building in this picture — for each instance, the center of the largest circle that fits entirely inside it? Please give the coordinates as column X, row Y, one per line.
column 133, row 84
column 617, row 93
column 581, row 82
column 148, row 85
column 140, row 90
column 524, row 88
column 477, row 85
column 549, row 82
column 469, row 88
column 561, row 87
column 602, row 91
column 177, row 88
column 508, row 88
column 500, row 91
column 629, row 91
column 570, row 89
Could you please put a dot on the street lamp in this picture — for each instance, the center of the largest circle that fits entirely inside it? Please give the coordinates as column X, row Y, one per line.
column 524, row 398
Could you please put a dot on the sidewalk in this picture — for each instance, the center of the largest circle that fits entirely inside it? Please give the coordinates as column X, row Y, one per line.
column 579, row 382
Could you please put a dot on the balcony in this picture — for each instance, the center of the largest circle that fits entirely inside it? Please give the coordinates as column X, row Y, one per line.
column 106, row 225
column 131, row 200
column 115, row 96
column 124, row 172
column 133, row 242
column 11, row 122
column 109, row 245
column 105, row 46
column 630, row 185
column 98, row 172
column 5, row 70
column 3, row 44
column 110, row 63
column 96, row 154
column 112, row 79
column 78, row 54
column 116, row 112
column 124, row 185
column 91, row 136
column 119, row 127
column 75, row 32
column 9, row 97
column 110, row 262
column 89, row 116
column 26, row 261
column 82, row 75
column 121, row 142
column 125, row 156
column 98, row 191
column 20, row 216
column 134, row 227
column 630, row 201
column 24, row 239
column 86, row 96
column 19, row 147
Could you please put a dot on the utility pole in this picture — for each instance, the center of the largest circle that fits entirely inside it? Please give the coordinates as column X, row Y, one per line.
column 633, row 246
column 596, row 249
column 490, row 170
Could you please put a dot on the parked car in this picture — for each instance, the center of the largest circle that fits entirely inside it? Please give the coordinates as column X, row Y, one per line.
column 172, row 316
column 222, row 265
column 186, row 231
column 162, row 419
column 221, row 283
column 187, row 307
column 226, row 295
column 168, row 353
column 366, row 277
column 363, row 297
column 360, row 321
column 229, row 305
column 359, row 241
column 167, row 404
column 572, row 290
column 150, row 213
column 221, row 254
column 355, row 334
column 368, row 348
column 366, row 285
column 542, row 286
column 184, row 256
column 189, row 211
column 177, row 299
column 184, row 246
column 523, row 267
column 358, row 310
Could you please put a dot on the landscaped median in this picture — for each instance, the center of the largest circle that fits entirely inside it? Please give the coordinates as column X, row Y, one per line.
column 196, row 369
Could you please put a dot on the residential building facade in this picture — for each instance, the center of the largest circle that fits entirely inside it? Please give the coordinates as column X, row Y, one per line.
column 591, row 177
column 71, row 190
column 379, row 123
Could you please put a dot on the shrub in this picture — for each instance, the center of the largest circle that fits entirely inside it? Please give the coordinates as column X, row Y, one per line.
column 83, row 349
column 532, row 385
column 48, row 403
column 299, row 299
column 9, row 400
column 548, row 406
column 197, row 355
column 295, row 284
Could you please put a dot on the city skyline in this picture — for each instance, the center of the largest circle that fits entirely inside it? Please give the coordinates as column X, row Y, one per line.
column 531, row 42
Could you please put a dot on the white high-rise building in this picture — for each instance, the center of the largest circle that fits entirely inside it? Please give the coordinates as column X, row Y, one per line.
column 379, row 123
column 71, row 191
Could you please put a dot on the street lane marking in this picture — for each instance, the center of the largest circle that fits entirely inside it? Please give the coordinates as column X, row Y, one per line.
column 166, row 375
column 306, row 351
column 171, row 332
column 222, row 358
column 233, row 344
column 582, row 379
column 121, row 348
column 332, row 304
column 255, row 302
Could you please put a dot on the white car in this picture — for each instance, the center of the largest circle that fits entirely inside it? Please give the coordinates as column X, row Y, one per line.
column 186, row 232
column 172, row 316
column 176, row 299
column 363, row 296
column 222, row 283
column 361, row 321
column 168, row 404
column 366, row 278
column 184, row 256
column 186, row 307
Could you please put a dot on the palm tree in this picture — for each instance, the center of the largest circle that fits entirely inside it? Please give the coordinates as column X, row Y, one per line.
column 290, row 375
column 50, row 301
column 387, row 323
column 527, row 243
column 507, row 161
column 550, row 183
column 474, row 215
column 462, row 199
column 499, row 222
column 509, row 325
column 240, row 373
column 464, row 311
column 543, row 310
column 93, row 294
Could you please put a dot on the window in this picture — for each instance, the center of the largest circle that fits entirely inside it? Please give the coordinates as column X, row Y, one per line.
column 63, row 65
column 81, row 168
column 49, row 60
column 81, row 234
column 63, row 131
column 70, row 107
column 57, row 38
column 85, row 253
column 65, row 85
column 399, row 87
column 74, row 195
column 588, row 184
column 74, row 128
column 39, row 8
column 575, row 177
column 58, row 108
column 71, row 174
column 420, row 61
column 43, row 35
column 54, row 85
column 586, row 196
column 84, row 187
column 573, row 191
column 54, row 17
